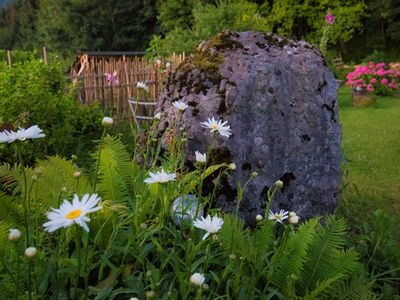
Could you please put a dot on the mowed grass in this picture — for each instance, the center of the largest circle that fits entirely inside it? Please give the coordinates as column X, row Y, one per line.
column 371, row 149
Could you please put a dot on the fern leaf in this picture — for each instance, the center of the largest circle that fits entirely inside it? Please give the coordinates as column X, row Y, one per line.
column 289, row 258
column 4, row 231
column 326, row 256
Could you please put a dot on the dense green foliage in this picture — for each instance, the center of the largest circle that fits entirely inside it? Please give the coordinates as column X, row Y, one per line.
column 66, row 26
column 134, row 248
column 33, row 93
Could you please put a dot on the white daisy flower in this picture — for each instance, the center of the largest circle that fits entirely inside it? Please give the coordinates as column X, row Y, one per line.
column 74, row 212
column 200, row 157
column 33, row 132
column 221, row 127
column 197, row 279
column 211, row 225
column 142, row 85
column 157, row 116
column 161, row 177
column 180, row 105
column 278, row 217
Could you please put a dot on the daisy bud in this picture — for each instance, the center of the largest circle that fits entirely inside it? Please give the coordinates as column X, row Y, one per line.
column 150, row 294
column 181, row 129
column 215, row 237
column 294, row 220
column 232, row 256
column 254, row 174
column 30, row 252
column 143, row 226
column 168, row 65
column 14, row 235
column 279, row 184
column 148, row 274
column 63, row 189
column 34, row 178
column 74, row 157
column 38, row 171
column 197, row 279
column 107, row 122
column 292, row 214
column 184, row 139
column 133, row 298
column 259, row 218
column 157, row 116
column 205, row 286
column 232, row 166
column 77, row 174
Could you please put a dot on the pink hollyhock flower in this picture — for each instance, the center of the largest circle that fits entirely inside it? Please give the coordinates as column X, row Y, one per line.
column 329, row 18
column 370, row 88
column 111, row 78
column 373, row 80
column 380, row 72
column 393, row 85
column 384, row 81
column 380, row 65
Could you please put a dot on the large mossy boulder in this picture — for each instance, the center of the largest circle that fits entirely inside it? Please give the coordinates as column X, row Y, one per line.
column 280, row 100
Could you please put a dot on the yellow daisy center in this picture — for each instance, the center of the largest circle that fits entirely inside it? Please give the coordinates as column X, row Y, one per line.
column 73, row 214
column 278, row 217
column 214, row 127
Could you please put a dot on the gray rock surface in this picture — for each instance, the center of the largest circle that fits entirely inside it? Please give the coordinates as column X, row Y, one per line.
column 280, row 100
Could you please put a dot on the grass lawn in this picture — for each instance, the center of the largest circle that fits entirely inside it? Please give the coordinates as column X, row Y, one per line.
column 371, row 148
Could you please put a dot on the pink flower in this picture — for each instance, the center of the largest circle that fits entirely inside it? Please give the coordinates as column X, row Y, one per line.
column 373, row 80
column 384, row 81
column 370, row 88
column 393, row 85
column 329, row 19
column 380, row 72
column 380, row 65
column 111, row 78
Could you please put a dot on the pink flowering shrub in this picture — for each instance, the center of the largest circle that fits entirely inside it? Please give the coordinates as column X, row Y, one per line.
column 375, row 78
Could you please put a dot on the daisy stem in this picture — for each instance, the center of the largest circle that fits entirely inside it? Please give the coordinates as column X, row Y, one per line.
column 25, row 194
column 78, row 251
column 17, row 275
column 208, row 252
column 98, row 159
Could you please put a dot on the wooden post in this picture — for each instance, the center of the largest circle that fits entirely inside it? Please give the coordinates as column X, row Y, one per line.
column 9, row 59
column 45, row 55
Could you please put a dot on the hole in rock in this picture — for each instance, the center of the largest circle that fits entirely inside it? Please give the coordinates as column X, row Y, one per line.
column 305, row 138
column 221, row 107
column 246, row 167
column 286, row 179
column 195, row 112
column 270, row 90
column 192, row 103
column 264, row 193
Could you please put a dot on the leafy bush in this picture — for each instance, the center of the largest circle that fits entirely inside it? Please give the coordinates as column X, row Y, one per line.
column 34, row 93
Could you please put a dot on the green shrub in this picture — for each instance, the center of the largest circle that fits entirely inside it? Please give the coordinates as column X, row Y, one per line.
column 33, row 93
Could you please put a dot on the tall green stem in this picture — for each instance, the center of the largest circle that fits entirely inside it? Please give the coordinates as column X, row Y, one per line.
column 98, row 159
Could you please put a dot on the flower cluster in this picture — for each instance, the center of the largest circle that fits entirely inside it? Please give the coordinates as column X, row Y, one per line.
column 376, row 78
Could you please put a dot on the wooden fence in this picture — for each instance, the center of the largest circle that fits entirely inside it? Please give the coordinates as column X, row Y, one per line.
column 90, row 71
column 89, row 75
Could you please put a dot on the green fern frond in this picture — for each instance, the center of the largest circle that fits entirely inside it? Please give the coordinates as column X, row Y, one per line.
column 8, row 177
column 57, row 175
column 4, row 231
column 234, row 236
column 263, row 240
column 115, row 170
column 323, row 287
column 354, row 289
column 326, row 257
column 289, row 258
column 10, row 210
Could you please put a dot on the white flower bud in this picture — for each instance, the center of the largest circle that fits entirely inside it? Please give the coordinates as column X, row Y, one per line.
column 157, row 116
column 14, row 235
column 294, row 220
column 205, row 286
column 143, row 225
column 197, row 279
column 34, row 178
column 292, row 214
column 232, row 256
column 201, row 158
column 150, row 294
column 133, row 298
column 77, row 174
column 63, row 189
column 259, row 218
column 107, row 122
column 254, row 174
column 232, row 166
column 279, row 184
column 30, row 252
